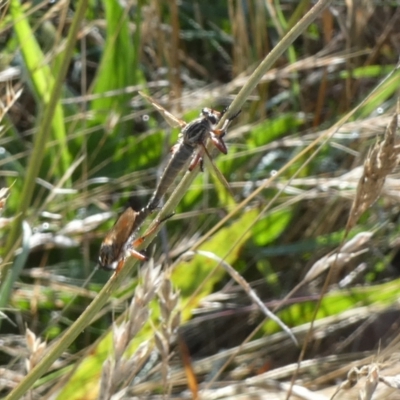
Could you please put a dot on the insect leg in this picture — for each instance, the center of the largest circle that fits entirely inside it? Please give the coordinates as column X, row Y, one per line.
column 198, row 158
column 216, row 137
column 134, row 253
column 234, row 115
column 121, row 262
column 221, row 132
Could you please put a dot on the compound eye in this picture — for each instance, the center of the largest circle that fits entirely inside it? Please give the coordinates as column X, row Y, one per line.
column 213, row 119
column 209, row 114
column 205, row 112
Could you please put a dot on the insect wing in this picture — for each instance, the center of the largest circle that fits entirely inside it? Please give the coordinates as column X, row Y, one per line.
column 218, row 173
column 124, row 225
column 173, row 121
column 110, row 250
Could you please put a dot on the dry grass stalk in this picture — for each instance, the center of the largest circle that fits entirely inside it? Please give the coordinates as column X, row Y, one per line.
column 351, row 249
column 246, row 287
column 346, row 253
column 36, row 349
column 119, row 370
column 10, row 97
column 170, row 320
column 380, row 162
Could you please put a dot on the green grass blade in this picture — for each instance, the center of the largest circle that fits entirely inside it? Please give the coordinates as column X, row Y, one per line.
column 116, row 69
column 42, row 81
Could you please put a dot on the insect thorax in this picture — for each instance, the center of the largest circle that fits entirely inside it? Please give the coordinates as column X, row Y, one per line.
column 196, row 132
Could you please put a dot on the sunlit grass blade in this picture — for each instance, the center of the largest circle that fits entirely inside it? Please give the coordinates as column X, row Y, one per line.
column 42, row 80
column 116, row 67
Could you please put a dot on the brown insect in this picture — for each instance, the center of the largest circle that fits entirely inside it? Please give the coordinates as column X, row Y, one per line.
column 120, row 242
column 191, row 143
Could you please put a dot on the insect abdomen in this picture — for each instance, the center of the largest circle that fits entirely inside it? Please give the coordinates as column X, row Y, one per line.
column 176, row 163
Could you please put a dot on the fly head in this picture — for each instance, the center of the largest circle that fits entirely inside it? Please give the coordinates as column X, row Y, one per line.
column 109, row 254
column 211, row 115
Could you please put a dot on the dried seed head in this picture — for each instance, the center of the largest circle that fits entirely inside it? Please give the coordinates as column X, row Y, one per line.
column 120, row 339
column 370, row 384
column 30, row 340
column 161, row 344
column 105, row 391
column 380, row 162
column 137, row 321
column 36, row 349
column 175, row 322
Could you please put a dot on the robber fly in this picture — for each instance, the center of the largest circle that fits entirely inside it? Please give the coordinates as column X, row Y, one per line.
column 193, row 135
column 120, row 243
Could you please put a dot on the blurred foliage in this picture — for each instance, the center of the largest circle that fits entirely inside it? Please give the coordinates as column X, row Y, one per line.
column 108, row 147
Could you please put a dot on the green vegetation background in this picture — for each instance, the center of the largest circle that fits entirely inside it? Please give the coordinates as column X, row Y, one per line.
column 104, row 148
